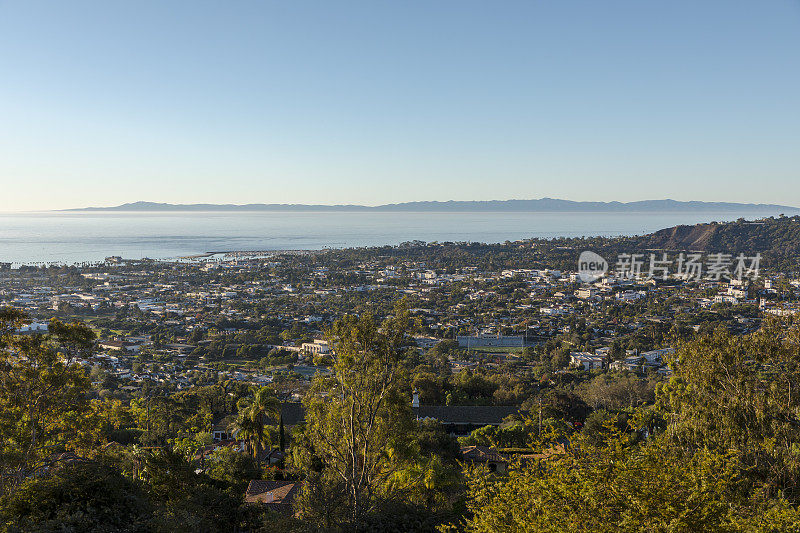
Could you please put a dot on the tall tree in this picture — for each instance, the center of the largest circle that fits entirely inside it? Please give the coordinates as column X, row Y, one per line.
column 44, row 406
column 741, row 393
column 358, row 419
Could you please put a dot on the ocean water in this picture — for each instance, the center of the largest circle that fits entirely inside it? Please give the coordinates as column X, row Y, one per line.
column 75, row 236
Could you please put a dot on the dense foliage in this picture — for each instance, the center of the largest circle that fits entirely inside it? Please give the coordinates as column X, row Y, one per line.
column 718, row 452
column 713, row 447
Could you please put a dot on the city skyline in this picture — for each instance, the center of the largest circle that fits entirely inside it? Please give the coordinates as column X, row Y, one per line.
column 366, row 103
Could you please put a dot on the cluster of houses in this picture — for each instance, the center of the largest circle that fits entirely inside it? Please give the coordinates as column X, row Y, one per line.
column 485, row 311
column 633, row 361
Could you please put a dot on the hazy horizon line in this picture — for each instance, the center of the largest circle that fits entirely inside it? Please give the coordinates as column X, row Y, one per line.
column 554, row 202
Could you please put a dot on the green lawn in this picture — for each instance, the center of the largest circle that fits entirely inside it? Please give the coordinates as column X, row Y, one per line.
column 496, row 349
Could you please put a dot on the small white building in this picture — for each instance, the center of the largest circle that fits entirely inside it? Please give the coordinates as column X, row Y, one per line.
column 657, row 356
column 584, row 293
column 736, row 292
column 318, row 347
column 630, row 296
column 588, row 360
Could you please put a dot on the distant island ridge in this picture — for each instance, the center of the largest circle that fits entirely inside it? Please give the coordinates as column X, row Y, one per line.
column 540, row 205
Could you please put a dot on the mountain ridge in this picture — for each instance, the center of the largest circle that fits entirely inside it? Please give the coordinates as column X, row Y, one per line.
column 536, row 205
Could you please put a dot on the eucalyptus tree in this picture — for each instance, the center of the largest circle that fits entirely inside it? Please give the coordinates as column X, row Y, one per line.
column 358, row 420
column 45, row 408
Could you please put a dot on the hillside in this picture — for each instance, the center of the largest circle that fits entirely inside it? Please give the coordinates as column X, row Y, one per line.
column 777, row 239
column 775, row 234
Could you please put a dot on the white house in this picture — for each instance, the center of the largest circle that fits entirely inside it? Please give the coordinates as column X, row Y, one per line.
column 588, row 360
column 319, row 346
column 584, row 293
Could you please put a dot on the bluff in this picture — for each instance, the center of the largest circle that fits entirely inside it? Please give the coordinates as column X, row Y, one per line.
column 777, row 239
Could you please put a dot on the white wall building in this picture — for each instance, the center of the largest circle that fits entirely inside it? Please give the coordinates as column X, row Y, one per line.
column 319, row 346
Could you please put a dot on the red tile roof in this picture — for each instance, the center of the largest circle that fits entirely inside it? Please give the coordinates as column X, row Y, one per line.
column 279, row 494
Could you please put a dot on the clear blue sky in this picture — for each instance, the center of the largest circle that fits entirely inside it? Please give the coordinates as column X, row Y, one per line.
column 371, row 102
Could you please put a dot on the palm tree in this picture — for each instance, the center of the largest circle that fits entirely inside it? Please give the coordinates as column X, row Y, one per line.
column 245, row 430
column 254, row 417
column 427, row 478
